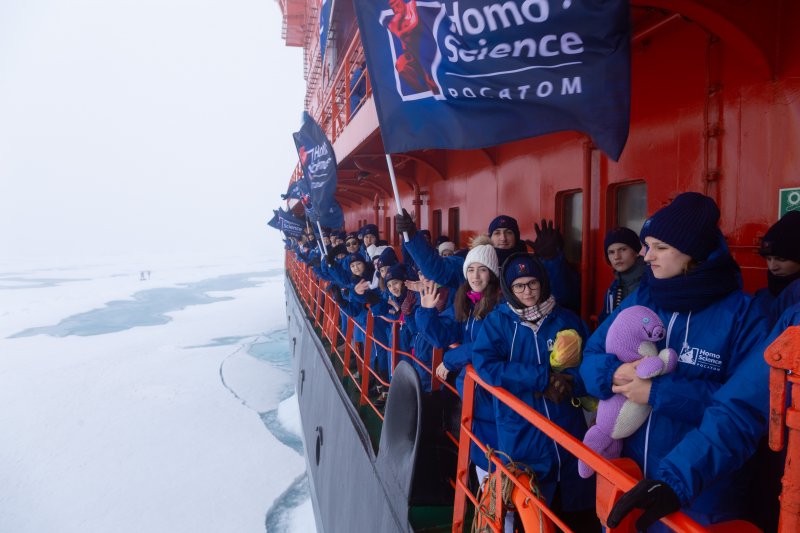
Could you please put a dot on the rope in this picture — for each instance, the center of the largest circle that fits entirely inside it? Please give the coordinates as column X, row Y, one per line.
column 486, row 512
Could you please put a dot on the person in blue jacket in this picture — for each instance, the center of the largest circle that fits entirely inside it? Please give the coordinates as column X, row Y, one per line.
column 694, row 286
column 460, row 324
column 780, row 247
column 740, row 413
column 622, row 248
column 389, row 305
column 512, row 351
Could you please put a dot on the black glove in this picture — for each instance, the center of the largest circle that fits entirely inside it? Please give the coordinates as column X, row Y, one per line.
column 548, row 240
column 372, row 297
column 655, row 497
column 560, row 387
column 336, row 294
column 404, row 223
column 333, row 252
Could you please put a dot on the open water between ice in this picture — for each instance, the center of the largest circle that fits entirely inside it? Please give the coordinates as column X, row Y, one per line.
column 148, row 307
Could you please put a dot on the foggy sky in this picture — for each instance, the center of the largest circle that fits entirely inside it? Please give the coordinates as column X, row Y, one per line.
column 141, row 127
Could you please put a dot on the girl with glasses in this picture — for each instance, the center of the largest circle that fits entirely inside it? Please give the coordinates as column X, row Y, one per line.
column 513, row 351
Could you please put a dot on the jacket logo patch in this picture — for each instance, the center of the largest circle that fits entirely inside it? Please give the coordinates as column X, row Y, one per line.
column 700, row 357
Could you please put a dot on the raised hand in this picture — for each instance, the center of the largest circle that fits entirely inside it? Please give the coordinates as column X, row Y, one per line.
column 404, row 223
column 549, row 241
column 429, row 295
column 361, row 287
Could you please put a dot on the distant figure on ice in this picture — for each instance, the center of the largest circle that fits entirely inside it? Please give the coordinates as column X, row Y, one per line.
column 141, row 275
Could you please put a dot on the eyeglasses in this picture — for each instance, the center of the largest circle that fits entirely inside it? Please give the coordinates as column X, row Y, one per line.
column 519, row 288
column 352, row 243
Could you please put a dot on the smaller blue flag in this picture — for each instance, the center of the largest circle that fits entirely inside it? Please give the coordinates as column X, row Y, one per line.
column 319, row 170
column 324, row 26
column 291, row 225
column 274, row 222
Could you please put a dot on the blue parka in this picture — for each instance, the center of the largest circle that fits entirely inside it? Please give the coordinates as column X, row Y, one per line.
column 442, row 330
column 509, row 354
column 711, row 344
column 404, row 335
column 731, row 427
column 774, row 307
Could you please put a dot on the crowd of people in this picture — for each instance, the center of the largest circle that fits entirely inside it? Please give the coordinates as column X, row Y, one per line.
column 508, row 307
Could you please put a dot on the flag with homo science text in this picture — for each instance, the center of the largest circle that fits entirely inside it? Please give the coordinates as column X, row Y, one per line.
column 463, row 74
column 319, row 170
column 290, row 225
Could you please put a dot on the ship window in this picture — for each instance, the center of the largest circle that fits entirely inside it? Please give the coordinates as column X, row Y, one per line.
column 436, row 224
column 387, row 228
column 454, row 225
column 631, row 205
column 393, row 237
column 571, row 203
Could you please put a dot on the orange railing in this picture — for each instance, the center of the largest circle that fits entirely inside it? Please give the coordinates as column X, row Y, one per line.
column 330, row 105
column 613, row 477
column 325, row 314
column 783, row 356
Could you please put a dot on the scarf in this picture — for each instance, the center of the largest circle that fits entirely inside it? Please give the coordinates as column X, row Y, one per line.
column 708, row 282
column 628, row 281
column 474, row 297
column 776, row 284
column 536, row 313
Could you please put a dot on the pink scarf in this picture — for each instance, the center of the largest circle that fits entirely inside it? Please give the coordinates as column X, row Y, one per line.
column 474, row 297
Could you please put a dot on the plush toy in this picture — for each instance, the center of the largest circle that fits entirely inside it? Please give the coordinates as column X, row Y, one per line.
column 632, row 336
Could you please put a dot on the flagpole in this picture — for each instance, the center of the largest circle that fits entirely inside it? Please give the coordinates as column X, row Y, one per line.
column 321, row 239
column 396, row 191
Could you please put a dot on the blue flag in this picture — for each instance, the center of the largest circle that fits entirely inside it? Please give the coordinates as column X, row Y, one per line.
column 298, row 190
column 463, row 74
column 291, row 225
column 324, row 25
column 274, row 222
column 319, row 169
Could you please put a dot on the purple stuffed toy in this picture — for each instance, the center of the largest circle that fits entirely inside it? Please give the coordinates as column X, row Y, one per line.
column 632, row 336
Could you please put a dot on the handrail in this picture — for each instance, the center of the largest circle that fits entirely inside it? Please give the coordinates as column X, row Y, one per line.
column 783, row 357
column 610, row 475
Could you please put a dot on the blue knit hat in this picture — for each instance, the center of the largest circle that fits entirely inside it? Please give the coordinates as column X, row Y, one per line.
column 352, row 258
column 341, row 235
column 370, row 229
column 396, row 271
column 689, row 224
column 522, row 265
column 624, row 236
column 783, row 238
column 504, row 221
column 387, row 258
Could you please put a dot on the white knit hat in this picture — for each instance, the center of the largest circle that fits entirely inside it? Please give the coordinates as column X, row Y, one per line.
column 485, row 255
column 447, row 245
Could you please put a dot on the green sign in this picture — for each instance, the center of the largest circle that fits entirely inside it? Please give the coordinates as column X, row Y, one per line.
column 788, row 200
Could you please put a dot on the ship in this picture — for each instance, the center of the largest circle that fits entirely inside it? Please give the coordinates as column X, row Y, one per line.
column 714, row 108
